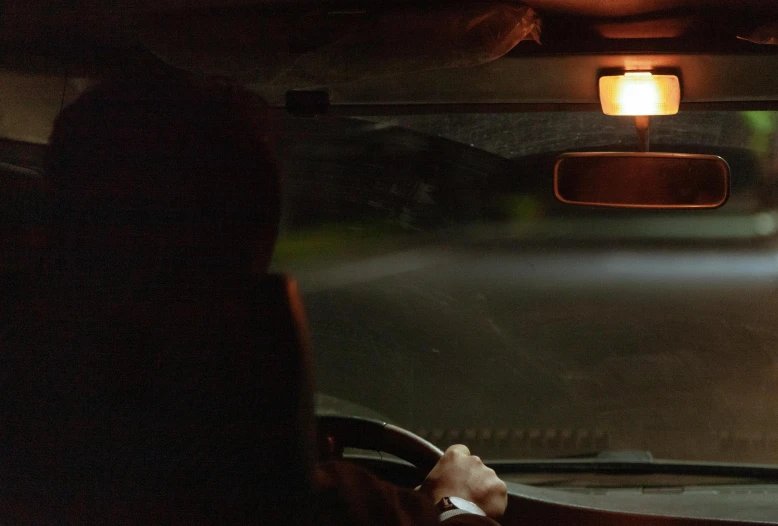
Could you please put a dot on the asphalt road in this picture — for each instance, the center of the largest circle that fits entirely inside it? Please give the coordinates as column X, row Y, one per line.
column 537, row 352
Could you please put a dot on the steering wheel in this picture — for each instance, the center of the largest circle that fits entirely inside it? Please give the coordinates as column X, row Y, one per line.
column 338, row 432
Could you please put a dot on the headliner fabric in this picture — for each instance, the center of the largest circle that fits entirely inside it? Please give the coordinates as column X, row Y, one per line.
column 328, row 48
column 619, row 8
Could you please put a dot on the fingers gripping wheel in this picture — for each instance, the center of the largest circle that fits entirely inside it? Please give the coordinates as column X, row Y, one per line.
column 339, row 432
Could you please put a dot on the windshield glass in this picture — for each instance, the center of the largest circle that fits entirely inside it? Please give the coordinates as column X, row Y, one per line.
column 449, row 293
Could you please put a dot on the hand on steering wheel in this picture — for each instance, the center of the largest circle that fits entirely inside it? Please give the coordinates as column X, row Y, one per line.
column 456, row 473
column 460, row 474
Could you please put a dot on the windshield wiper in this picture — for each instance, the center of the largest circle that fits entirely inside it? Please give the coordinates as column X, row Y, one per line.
column 626, row 455
column 634, row 463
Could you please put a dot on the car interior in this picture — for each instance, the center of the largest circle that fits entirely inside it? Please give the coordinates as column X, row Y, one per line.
column 421, row 114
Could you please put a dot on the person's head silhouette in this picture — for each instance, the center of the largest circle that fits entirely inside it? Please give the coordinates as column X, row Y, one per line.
column 164, row 178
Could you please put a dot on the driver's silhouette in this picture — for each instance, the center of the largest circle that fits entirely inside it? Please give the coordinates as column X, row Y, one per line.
column 166, row 205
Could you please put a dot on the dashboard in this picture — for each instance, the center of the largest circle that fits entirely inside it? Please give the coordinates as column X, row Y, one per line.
column 569, row 503
column 751, row 504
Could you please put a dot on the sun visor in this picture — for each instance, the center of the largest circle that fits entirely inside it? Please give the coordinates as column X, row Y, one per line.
column 318, row 48
column 765, row 34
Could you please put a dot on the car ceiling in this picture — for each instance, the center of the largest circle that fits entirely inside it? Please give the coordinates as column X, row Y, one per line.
column 37, row 24
column 621, row 8
column 41, row 20
column 53, row 49
column 22, row 19
column 599, row 8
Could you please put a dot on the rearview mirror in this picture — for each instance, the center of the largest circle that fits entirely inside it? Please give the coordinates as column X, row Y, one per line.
column 642, row 180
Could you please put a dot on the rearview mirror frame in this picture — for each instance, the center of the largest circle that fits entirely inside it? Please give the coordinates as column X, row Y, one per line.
column 726, row 173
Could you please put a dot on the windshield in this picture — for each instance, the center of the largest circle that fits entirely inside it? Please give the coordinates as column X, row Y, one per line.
column 449, row 293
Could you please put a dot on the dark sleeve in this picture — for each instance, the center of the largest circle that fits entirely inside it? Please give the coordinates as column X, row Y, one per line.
column 469, row 520
column 348, row 495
